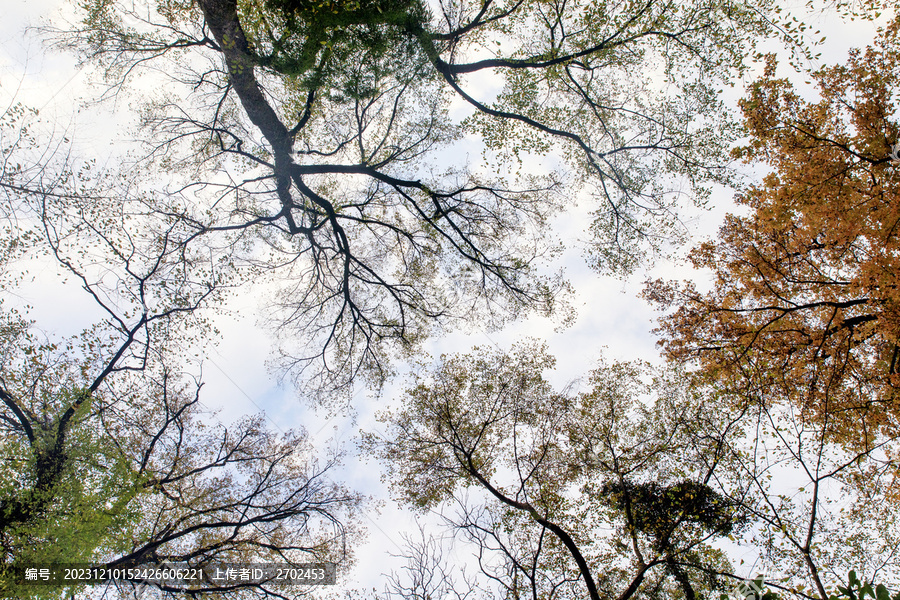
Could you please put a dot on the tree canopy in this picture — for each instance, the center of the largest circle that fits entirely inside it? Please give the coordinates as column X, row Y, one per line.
column 350, row 181
column 107, row 454
column 628, row 485
column 804, row 304
column 602, row 493
column 322, row 147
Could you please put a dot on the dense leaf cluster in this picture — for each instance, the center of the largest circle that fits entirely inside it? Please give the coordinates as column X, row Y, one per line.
column 657, row 510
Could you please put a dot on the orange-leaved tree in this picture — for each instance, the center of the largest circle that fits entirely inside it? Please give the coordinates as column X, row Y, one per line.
column 805, row 303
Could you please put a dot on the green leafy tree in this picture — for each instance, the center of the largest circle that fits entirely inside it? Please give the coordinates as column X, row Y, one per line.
column 854, row 590
column 857, row 590
column 68, row 493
